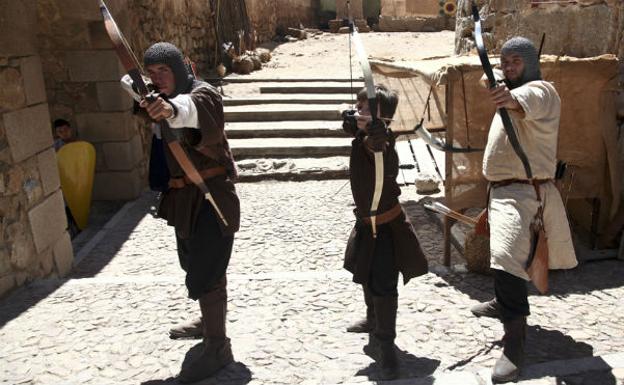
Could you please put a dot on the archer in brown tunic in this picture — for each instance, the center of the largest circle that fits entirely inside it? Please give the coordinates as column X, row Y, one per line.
column 190, row 114
column 376, row 261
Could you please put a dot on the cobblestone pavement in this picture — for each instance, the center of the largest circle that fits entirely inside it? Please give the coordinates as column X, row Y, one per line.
column 290, row 302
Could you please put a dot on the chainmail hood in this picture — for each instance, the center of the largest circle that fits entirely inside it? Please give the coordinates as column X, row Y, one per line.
column 169, row 54
column 525, row 48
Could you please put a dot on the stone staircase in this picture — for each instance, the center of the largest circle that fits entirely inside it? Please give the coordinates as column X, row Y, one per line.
column 292, row 130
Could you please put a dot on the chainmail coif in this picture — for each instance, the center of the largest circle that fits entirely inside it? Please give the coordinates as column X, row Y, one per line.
column 525, row 48
column 169, row 54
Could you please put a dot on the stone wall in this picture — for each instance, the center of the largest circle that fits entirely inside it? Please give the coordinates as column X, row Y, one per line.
column 188, row 24
column 356, row 8
column 82, row 74
column 65, row 67
column 267, row 16
column 413, row 15
column 585, row 29
column 30, row 196
column 56, row 61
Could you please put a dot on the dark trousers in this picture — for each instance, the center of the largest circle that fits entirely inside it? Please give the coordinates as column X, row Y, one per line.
column 511, row 294
column 205, row 255
column 384, row 274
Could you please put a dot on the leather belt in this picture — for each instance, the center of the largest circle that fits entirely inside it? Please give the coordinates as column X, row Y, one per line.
column 507, row 182
column 205, row 174
column 386, row 216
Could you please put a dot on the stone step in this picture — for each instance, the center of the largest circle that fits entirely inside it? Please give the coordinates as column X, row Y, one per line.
column 291, row 99
column 275, row 112
column 296, row 169
column 289, row 147
column 310, row 88
column 284, row 129
column 251, row 79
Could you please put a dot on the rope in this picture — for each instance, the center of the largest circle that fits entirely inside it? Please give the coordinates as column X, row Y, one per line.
column 465, row 108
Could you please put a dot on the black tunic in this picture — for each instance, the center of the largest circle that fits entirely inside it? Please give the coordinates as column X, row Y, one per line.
column 408, row 256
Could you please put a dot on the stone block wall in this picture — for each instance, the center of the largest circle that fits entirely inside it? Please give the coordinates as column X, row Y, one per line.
column 30, row 196
column 56, row 61
column 356, row 7
column 413, row 15
column 187, row 24
column 585, row 29
column 267, row 15
column 82, row 74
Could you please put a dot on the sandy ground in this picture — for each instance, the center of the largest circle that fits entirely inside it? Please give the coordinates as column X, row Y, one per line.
column 327, row 55
column 331, row 52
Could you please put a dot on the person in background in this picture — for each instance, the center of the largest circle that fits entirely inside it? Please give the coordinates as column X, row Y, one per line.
column 63, row 133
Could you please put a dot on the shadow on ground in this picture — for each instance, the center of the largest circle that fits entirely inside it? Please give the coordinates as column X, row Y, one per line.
column 29, row 295
column 585, row 278
column 410, row 366
column 544, row 345
column 236, row 373
column 91, row 265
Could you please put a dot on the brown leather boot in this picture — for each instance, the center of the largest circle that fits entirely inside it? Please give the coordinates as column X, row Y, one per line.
column 508, row 366
column 217, row 351
column 489, row 309
column 381, row 342
column 367, row 324
column 190, row 330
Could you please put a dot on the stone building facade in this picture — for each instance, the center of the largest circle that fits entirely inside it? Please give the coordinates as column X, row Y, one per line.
column 584, row 28
column 56, row 61
column 268, row 15
column 414, row 15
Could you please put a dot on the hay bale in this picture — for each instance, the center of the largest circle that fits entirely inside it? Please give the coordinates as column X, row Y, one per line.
column 477, row 253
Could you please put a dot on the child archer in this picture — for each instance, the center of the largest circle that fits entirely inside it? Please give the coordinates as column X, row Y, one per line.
column 375, row 260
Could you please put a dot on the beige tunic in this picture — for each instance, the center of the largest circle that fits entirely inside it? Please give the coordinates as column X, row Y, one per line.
column 512, row 208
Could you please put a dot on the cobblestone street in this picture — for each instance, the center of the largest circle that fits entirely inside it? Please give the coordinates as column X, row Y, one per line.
column 289, row 304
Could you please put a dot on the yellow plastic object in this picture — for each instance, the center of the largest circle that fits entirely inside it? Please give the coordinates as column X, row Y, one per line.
column 76, row 164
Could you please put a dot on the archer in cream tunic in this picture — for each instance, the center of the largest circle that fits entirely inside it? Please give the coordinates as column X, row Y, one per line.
column 512, row 207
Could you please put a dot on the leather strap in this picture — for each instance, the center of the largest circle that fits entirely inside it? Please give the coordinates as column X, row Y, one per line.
column 205, row 174
column 507, row 182
column 193, row 175
column 385, row 217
